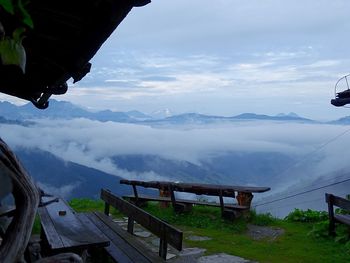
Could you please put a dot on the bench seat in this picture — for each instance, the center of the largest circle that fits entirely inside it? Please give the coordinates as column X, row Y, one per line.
column 184, row 201
column 124, row 247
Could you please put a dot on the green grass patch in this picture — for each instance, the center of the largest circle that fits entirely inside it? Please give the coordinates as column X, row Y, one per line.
column 89, row 205
column 295, row 245
column 200, row 217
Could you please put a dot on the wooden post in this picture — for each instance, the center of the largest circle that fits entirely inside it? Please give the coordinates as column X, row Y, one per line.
column 164, row 193
column 130, row 225
column 331, row 228
column 178, row 207
column 244, row 198
column 172, row 196
column 163, row 245
column 135, row 192
column 106, row 211
column 221, row 203
column 26, row 198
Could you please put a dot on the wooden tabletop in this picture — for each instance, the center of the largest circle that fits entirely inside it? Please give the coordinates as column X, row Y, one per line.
column 209, row 189
column 65, row 231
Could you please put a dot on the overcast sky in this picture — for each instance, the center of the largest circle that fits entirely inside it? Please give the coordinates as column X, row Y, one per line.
column 223, row 57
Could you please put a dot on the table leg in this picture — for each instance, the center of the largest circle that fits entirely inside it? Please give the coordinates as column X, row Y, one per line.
column 244, row 198
column 164, row 193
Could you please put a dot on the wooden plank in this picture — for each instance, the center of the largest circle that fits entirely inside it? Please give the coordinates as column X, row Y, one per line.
column 125, row 241
column 338, row 201
column 207, row 189
column 53, row 238
column 345, row 219
column 115, row 252
column 153, row 224
column 341, row 202
column 67, row 226
column 185, row 201
column 125, row 249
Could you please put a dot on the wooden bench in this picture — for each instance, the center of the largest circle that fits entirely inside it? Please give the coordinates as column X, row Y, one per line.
column 337, row 201
column 63, row 231
column 167, row 189
column 183, row 205
column 125, row 247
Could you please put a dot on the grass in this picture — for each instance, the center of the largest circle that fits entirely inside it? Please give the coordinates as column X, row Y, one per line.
column 230, row 237
column 295, row 245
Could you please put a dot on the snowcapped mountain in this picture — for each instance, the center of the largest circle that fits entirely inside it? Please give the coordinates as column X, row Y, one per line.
column 161, row 114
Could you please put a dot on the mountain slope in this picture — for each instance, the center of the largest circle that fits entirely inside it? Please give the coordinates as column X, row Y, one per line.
column 68, row 179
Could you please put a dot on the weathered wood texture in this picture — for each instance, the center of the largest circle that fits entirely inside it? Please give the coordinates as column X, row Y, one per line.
column 124, row 246
column 244, row 196
column 65, row 232
column 167, row 233
column 337, row 201
column 199, row 189
column 26, row 201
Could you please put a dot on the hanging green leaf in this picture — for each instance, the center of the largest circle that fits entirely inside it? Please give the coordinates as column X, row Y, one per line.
column 8, row 6
column 12, row 51
column 26, row 19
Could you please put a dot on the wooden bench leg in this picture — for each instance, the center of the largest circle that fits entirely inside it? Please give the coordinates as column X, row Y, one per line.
column 244, row 199
column 331, row 228
column 182, row 208
column 164, row 193
column 130, row 225
column 106, row 211
column 163, row 248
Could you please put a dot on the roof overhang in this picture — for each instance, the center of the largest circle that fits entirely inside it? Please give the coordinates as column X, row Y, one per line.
column 65, row 36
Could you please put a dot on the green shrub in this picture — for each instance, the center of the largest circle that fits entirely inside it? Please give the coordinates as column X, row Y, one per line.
column 309, row 215
column 261, row 219
column 320, row 229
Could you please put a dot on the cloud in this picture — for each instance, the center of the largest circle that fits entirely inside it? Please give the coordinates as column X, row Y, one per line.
column 65, row 191
column 94, row 144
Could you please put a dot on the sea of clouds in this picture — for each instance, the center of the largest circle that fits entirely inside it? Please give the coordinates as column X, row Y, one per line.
column 318, row 149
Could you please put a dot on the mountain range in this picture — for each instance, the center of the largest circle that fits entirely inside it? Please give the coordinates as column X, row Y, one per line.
column 67, row 110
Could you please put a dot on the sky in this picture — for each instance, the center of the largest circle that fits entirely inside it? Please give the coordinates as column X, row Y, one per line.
column 222, row 57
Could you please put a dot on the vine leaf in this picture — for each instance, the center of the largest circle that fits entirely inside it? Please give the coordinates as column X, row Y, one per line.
column 12, row 51
column 8, row 6
column 26, row 19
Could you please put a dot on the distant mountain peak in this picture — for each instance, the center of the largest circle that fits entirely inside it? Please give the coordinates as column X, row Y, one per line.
column 161, row 114
column 290, row 114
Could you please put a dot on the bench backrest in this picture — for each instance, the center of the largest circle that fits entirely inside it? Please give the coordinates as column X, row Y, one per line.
column 338, row 201
column 158, row 227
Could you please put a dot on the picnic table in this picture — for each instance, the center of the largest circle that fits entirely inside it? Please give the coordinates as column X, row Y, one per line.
column 62, row 230
column 166, row 189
